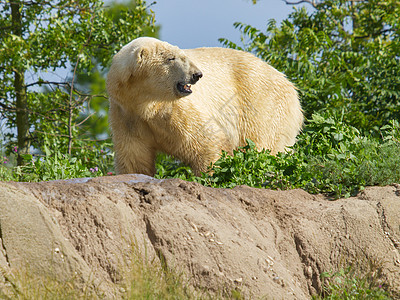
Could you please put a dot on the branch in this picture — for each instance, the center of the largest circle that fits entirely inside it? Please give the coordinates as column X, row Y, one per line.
column 30, row 111
column 68, row 85
column 383, row 31
column 40, row 82
column 313, row 3
column 84, row 120
column 6, row 107
column 5, row 28
column 50, row 133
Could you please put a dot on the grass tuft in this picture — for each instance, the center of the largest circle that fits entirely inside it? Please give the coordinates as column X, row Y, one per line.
column 350, row 283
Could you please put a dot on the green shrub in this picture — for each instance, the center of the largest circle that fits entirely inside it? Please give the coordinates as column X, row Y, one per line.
column 55, row 165
column 330, row 157
column 169, row 167
column 348, row 284
column 6, row 173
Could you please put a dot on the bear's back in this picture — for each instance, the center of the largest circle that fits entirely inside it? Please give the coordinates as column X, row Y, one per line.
column 241, row 89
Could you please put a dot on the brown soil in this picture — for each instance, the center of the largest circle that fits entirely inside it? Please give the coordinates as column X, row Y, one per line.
column 266, row 243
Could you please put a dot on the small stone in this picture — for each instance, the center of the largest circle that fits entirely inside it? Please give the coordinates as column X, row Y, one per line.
column 238, row 280
column 194, row 227
column 308, row 272
column 269, row 261
column 206, row 270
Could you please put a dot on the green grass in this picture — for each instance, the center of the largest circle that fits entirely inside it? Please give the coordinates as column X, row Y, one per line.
column 150, row 279
column 350, row 284
column 23, row 285
column 147, row 279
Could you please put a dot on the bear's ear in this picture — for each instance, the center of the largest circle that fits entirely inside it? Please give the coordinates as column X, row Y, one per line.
column 142, row 54
column 133, row 63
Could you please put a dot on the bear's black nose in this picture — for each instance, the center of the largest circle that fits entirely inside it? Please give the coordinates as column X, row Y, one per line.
column 196, row 76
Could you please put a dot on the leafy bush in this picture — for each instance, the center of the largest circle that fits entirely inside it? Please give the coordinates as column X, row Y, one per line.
column 350, row 161
column 55, row 165
column 330, row 157
column 248, row 166
column 169, row 167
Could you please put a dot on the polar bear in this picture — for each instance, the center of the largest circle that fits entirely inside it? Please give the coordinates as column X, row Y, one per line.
column 193, row 103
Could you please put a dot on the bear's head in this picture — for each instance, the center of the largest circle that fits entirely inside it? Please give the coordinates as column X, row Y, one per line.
column 151, row 69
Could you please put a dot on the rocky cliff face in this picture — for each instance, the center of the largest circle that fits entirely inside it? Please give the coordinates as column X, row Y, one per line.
column 266, row 243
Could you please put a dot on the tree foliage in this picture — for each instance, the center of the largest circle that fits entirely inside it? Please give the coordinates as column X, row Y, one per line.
column 41, row 39
column 95, row 112
column 342, row 55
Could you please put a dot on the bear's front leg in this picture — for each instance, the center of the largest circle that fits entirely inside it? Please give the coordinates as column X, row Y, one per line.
column 134, row 157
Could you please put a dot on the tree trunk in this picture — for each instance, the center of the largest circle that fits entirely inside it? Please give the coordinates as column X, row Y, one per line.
column 22, row 117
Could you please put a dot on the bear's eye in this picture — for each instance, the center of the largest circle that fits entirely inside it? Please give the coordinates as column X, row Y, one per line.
column 171, row 58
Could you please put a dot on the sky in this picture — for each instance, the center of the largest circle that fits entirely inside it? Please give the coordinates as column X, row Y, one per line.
column 200, row 23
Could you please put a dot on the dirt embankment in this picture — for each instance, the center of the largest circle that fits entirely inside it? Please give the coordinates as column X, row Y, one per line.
column 267, row 243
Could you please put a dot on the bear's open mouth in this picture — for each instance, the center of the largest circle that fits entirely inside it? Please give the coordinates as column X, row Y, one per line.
column 184, row 88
